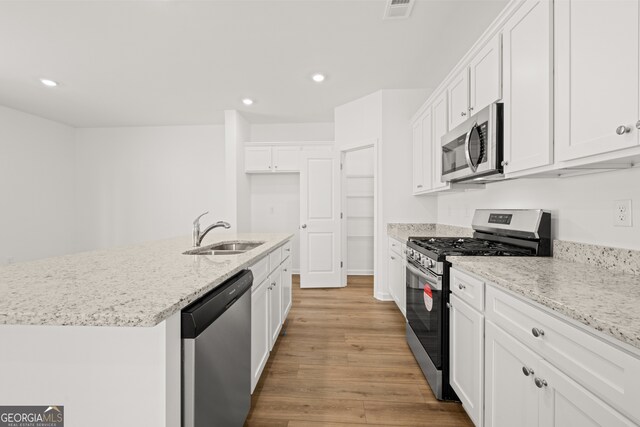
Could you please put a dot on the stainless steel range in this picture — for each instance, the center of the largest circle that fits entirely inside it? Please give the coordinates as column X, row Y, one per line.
column 496, row 233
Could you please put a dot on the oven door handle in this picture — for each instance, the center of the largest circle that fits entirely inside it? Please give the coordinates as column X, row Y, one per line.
column 467, row 143
column 434, row 281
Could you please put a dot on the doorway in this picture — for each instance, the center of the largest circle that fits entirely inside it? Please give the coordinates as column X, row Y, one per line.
column 358, row 199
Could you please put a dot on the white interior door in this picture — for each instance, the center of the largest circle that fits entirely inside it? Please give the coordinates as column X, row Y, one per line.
column 320, row 220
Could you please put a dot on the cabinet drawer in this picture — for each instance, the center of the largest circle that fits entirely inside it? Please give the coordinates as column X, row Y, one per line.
column 260, row 271
column 286, row 250
column 468, row 288
column 396, row 246
column 605, row 370
column 275, row 258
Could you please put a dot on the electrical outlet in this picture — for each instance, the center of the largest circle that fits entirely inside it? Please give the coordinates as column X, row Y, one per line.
column 622, row 213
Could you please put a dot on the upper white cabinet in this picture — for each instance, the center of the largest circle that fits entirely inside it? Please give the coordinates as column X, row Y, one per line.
column 272, row 159
column 440, row 128
column 422, row 152
column 528, row 87
column 458, row 93
column 418, row 175
column 596, row 72
column 485, row 76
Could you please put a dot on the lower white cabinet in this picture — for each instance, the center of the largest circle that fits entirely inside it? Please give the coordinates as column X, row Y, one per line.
column 271, row 300
column 524, row 390
column 275, row 306
column 259, row 331
column 287, row 288
column 466, row 368
column 397, row 275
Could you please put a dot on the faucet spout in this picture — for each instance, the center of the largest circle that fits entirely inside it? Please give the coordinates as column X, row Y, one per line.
column 218, row 224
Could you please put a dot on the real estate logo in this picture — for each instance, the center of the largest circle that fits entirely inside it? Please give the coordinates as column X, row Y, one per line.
column 32, row 416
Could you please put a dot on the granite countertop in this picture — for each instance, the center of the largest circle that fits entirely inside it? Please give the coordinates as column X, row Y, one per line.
column 602, row 299
column 402, row 231
column 138, row 285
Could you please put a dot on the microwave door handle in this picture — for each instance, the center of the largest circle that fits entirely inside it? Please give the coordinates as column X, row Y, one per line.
column 467, row 153
column 434, row 281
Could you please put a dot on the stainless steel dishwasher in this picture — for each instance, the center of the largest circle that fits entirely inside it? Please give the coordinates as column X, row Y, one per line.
column 216, row 356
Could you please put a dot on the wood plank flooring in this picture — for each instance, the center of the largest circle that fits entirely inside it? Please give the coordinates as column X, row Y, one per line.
column 343, row 360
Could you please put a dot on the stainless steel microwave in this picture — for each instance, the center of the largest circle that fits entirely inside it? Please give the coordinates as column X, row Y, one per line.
column 473, row 150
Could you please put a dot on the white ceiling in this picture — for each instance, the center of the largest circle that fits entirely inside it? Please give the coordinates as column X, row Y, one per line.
column 135, row 63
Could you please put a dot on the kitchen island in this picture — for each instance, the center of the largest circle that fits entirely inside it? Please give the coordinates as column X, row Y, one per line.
column 99, row 332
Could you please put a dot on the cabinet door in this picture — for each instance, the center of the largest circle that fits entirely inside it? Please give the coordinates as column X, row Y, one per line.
column 467, row 357
column 458, row 93
column 511, row 397
column 287, row 288
column 565, row 403
column 275, row 306
column 395, row 277
column 257, row 159
column 286, row 159
column 427, row 149
column 260, row 342
column 596, row 44
column 440, row 128
column 418, row 183
column 485, row 76
column 528, row 96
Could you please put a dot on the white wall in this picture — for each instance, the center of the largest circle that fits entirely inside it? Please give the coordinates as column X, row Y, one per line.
column 581, row 207
column 291, row 132
column 137, row 184
column 37, row 200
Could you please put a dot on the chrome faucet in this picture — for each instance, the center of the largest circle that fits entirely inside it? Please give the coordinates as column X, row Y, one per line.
column 198, row 236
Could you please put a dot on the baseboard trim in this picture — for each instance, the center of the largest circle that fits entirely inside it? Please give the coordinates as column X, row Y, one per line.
column 383, row 296
column 360, row 272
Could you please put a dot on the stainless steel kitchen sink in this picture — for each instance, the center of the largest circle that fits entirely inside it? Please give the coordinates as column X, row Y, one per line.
column 224, row 248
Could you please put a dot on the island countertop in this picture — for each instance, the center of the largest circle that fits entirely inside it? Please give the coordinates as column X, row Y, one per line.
column 139, row 285
column 602, row 299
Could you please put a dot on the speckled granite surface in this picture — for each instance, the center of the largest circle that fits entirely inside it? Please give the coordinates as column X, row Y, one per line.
column 132, row 286
column 625, row 260
column 444, row 230
column 402, row 231
column 602, row 299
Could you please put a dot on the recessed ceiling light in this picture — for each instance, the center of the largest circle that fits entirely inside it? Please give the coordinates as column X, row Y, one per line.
column 318, row 78
column 247, row 101
column 48, row 83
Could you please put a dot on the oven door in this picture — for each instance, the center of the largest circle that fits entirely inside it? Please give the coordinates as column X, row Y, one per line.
column 425, row 308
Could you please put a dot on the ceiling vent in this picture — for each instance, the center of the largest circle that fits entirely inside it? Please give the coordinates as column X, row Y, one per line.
column 398, row 9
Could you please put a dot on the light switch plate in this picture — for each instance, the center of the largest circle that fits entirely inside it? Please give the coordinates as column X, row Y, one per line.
column 622, row 213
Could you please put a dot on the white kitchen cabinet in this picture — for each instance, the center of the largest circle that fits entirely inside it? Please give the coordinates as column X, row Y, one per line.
column 440, row 128
column 272, row 159
column 528, row 87
column 275, row 305
column 485, row 76
column 257, row 159
column 511, row 397
column 458, row 94
column 563, row 402
column 260, row 344
column 397, row 285
column 596, row 76
column 467, row 357
column 287, row 288
column 418, row 175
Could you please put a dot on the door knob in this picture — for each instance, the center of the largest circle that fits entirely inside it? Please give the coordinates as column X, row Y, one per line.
column 304, row 226
column 621, row 130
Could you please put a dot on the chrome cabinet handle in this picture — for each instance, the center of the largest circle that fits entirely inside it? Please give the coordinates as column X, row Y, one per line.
column 287, row 250
column 393, row 257
column 621, row 130
column 540, row 382
column 537, row 332
column 419, row 185
column 638, row 124
column 304, row 226
column 470, row 108
column 504, row 163
column 527, row 371
column 448, row 305
column 463, row 114
column 461, row 286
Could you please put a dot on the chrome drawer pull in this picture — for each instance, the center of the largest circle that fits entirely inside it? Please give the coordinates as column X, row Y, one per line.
column 540, row 382
column 537, row 332
column 461, row 286
column 527, row 371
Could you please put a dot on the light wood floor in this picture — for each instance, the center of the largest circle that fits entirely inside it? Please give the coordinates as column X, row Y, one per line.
column 344, row 361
